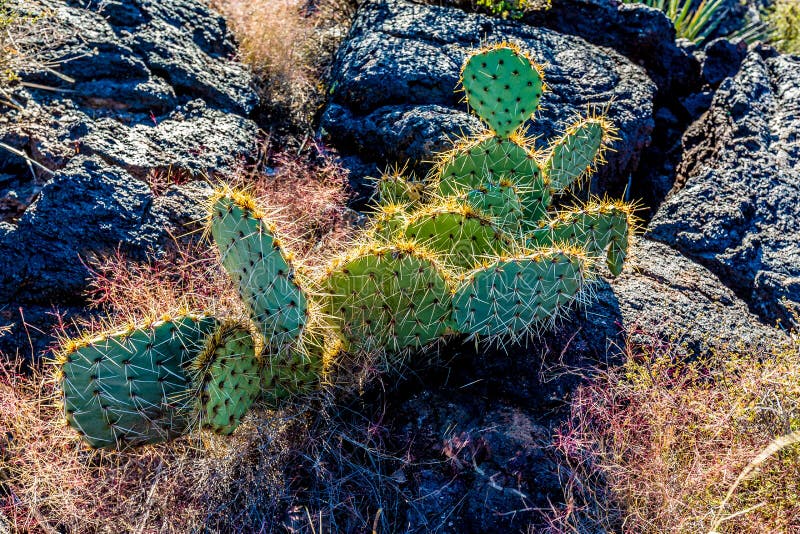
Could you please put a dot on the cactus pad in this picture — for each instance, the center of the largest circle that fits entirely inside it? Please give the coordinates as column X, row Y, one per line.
column 254, row 258
column 394, row 188
column 477, row 163
column 521, row 294
column 460, row 235
column 227, row 378
column 602, row 228
column 575, row 154
column 501, row 203
column 387, row 221
column 296, row 371
column 503, row 86
column 388, row 298
column 131, row 387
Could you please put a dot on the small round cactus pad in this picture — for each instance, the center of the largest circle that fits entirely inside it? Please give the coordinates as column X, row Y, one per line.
column 503, row 86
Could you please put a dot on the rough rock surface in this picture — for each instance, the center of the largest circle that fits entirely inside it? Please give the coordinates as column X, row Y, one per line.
column 642, row 34
column 143, row 88
column 392, row 90
column 736, row 203
column 148, row 87
column 481, row 432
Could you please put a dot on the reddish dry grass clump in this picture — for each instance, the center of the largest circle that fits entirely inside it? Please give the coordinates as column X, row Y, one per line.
column 657, row 445
column 50, row 483
column 288, row 44
column 304, row 197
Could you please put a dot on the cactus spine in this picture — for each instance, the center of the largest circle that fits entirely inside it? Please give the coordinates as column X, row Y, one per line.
column 388, row 297
column 257, row 262
column 227, row 375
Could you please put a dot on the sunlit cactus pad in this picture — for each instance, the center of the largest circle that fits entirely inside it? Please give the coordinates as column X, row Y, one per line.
column 499, row 202
column 477, row 163
column 521, row 294
column 461, row 236
column 577, row 152
column 388, row 298
column 602, row 227
column 261, row 268
column 503, row 86
column 131, row 387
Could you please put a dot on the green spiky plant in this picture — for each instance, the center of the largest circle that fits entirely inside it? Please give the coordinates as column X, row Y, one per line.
column 487, row 208
column 513, row 9
column 129, row 387
column 475, row 250
column 692, row 21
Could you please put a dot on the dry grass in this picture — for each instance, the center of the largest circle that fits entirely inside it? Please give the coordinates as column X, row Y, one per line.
column 289, row 44
column 658, row 445
column 304, row 195
column 50, row 483
column 29, row 35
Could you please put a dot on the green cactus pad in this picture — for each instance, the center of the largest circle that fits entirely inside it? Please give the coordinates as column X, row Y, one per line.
column 485, row 161
column 387, row 221
column 500, row 203
column 388, row 298
column 227, row 378
column 255, row 260
column 393, row 188
column 503, row 86
column 521, row 294
column 574, row 155
column 601, row 228
column 131, row 387
column 297, row 371
column 460, row 235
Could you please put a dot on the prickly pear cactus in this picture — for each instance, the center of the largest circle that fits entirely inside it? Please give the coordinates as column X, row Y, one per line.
column 520, row 294
column 226, row 378
column 603, row 229
column 395, row 188
column 298, row 371
column 131, row 387
column 474, row 249
column 487, row 160
column 460, row 235
column 503, row 86
column 500, row 202
column 577, row 152
column 485, row 218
